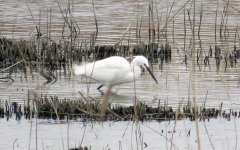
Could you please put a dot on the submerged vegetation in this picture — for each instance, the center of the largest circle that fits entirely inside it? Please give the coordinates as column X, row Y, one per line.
column 89, row 110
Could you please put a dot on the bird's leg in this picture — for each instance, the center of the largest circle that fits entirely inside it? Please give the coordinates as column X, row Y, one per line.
column 100, row 90
column 100, row 87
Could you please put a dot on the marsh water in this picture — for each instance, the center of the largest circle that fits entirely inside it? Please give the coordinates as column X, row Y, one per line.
column 177, row 81
column 174, row 87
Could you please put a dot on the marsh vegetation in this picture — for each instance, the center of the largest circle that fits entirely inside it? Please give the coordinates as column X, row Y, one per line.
column 193, row 48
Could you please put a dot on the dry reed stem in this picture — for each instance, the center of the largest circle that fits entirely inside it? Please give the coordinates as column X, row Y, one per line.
column 193, row 77
column 228, row 3
column 12, row 66
column 204, row 104
column 64, row 17
column 85, row 127
column 31, row 14
column 104, row 104
column 95, row 19
column 29, row 87
column 158, row 22
column 216, row 24
column 14, row 143
column 169, row 20
column 231, row 108
column 58, row 120
column 165, row 137
column 108, row 109
column 125, row 32
column 175, row 124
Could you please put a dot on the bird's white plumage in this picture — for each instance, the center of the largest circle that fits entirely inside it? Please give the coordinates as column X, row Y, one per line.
column 113, row 70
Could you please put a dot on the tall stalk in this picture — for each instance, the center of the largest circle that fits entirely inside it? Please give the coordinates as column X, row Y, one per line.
column 193, row 77
column 216, row 25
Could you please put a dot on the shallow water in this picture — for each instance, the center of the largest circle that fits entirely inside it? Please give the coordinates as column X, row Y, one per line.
column 175, row 83
column 114, row 17
column 174, row 86
column 119, row 135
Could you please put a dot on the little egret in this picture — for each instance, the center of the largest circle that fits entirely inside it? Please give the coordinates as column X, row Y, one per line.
column 114, row 70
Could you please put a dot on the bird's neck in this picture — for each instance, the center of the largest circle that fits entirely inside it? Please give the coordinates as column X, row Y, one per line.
column 136, row 71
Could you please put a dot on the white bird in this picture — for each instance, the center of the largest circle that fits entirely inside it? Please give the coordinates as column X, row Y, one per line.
column 114, row 70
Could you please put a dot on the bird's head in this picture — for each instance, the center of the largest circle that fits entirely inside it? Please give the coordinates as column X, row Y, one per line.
column 142, row 62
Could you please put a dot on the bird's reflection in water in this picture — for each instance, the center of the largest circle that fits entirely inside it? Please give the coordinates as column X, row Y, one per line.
column 117, row 98
column 121, row 94
column 130, row 98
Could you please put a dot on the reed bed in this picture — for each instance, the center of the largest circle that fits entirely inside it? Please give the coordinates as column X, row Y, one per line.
column 89, row 110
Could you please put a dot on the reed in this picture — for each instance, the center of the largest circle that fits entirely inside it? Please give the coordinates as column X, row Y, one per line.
column 45, row 107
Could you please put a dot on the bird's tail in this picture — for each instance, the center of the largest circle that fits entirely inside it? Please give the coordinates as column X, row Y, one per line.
column 79, row 70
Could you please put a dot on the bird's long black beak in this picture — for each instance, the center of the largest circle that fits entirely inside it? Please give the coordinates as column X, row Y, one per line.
column 148, row 69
